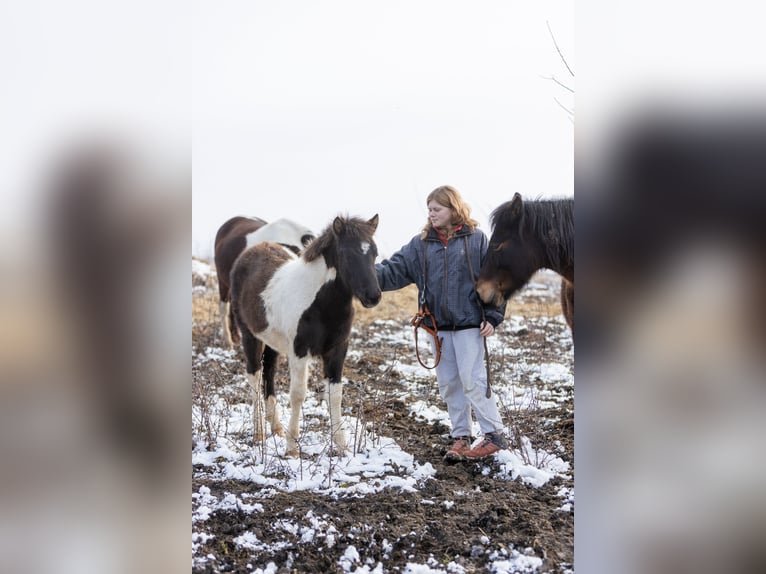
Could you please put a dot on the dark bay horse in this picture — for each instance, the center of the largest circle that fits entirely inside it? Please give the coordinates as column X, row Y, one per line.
column 302, row 307
column 528, row 236
column 239, row 233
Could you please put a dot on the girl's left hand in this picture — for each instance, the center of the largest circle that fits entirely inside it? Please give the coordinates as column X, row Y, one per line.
column 486, row 329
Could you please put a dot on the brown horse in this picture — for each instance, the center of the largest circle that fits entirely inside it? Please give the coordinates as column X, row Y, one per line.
column 302, row 307
column 239, row 233
column 528, row 236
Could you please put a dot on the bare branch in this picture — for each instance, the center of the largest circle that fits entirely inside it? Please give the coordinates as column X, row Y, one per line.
column 566, row 109
column 553, row 78
column 558, row 50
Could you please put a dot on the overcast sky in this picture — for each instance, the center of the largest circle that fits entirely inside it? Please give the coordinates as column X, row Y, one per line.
column 308, row 109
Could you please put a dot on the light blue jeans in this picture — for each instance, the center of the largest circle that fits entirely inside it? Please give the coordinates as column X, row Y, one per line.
column 462, row 382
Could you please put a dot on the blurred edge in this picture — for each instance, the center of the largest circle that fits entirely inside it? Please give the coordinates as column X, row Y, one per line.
column 670, row 175
column 671, row 314
column 95, row 396
column 670, row 391
column 95, row 161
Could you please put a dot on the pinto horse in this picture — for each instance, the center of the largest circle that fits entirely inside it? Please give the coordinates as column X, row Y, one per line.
column 302, row 307
column 236, row 235
column 528, row 236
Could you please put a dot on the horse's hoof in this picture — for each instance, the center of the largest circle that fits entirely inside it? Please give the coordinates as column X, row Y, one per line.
column 291, row 453
column 279, row 431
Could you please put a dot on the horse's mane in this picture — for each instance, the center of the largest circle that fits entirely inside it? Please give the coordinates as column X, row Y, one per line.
column 551, row 220
column 353, row 227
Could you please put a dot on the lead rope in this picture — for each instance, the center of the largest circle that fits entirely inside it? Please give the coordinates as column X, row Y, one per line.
column 483, row 319
column 418, row 322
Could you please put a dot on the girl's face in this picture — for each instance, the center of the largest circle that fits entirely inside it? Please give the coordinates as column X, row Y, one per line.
column 439, row 215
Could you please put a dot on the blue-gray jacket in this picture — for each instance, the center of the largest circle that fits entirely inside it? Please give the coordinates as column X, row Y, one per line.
column 449, row 289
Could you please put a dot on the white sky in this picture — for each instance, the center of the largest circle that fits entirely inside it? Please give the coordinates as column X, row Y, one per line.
column 308, row 109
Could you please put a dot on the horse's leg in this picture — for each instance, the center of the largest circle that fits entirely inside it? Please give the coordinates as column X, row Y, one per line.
column 253, row 349
column 224, row 298
column 333, row 371
column 298, row 376
column 270, row 357
column 232, row 332
column 567, row 302
column 223, row 310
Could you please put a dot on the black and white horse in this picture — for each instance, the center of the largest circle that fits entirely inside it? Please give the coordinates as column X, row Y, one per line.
column 236, row 235
column 302, row 307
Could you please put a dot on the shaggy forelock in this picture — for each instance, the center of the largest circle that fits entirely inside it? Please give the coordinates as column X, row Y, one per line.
column 355, row 228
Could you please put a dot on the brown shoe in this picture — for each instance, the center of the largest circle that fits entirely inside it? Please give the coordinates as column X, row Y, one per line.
column 461, row 446
column 493, row 442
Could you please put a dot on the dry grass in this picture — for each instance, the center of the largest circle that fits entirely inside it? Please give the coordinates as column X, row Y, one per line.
column 205, row 308
column 536, row 306
column 532, row 308
column 398, row 305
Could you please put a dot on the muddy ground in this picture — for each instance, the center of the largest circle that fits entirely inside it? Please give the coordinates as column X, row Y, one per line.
column 445, row 522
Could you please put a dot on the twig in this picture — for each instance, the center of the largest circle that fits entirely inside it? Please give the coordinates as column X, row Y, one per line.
column 560, row 83
column 567, row 110
column 558, row 50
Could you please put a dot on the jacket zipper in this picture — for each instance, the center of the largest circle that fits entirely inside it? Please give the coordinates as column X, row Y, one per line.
column 445, row 305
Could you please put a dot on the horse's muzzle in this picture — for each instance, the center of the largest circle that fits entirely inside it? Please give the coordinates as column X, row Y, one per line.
column 370, row 300
column 489, row 293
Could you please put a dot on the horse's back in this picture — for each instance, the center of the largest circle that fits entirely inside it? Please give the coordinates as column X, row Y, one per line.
column 236, row 226
column 251, row 275
column 259, row 263
column 284, row 231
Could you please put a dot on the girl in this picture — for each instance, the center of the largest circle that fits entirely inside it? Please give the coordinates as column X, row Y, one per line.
column 443, row 261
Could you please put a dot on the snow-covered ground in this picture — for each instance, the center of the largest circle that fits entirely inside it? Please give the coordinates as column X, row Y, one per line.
column 375, row 462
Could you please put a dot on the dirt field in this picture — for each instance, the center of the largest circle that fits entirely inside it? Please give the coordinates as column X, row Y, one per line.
column 468, row 517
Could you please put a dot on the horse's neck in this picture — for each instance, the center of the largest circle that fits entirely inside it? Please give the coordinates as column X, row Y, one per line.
column 303, row 279
column 332, row 298
column 558, row 260
column 316, row 273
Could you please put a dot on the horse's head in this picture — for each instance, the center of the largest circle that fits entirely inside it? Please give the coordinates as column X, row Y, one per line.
column 355, row 257
column 512, row 256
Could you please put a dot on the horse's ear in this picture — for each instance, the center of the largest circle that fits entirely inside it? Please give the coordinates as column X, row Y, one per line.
column 338, row 225
column 373, row 222
column 516, row 204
